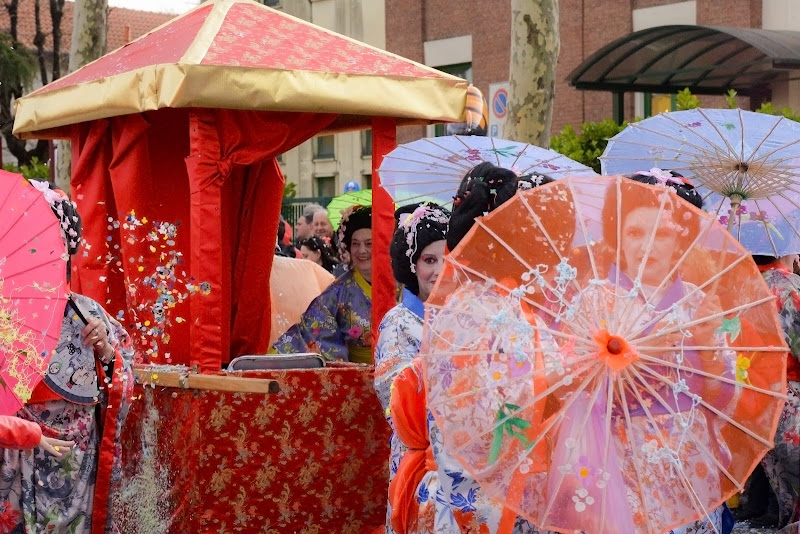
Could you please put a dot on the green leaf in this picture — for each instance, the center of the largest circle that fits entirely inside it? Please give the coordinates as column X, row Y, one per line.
column 732, row 327
column 497, row 442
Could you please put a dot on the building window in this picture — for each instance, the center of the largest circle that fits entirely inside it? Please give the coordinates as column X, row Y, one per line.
column 280, row 158
column 367, row 179
column 462, row 70
column 271, row 3
column 325, row 147
column 366, row 143
column 325, row 186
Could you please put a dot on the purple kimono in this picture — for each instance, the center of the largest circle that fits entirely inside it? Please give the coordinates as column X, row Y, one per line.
column 337, row 324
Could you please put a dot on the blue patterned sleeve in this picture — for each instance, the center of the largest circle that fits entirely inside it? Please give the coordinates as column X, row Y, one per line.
column 318, row 330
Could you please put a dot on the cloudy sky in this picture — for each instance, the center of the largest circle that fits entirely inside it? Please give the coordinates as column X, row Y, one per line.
column 161, row 6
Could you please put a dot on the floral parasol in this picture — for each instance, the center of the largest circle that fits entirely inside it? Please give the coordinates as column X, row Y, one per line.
column 432, row 168
column 592, row 368
column 745, row 164
column 33, row 288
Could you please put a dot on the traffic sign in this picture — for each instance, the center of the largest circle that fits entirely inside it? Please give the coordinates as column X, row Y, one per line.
column 498, row 107
column 499, row 103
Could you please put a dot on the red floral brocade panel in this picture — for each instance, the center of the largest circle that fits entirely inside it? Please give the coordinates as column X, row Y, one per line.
column 311, row 458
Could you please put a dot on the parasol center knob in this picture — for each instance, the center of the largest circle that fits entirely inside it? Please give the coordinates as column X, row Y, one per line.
column 741, row 167
column 615, row 345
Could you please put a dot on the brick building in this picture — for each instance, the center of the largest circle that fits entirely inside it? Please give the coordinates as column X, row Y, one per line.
column 473, row 39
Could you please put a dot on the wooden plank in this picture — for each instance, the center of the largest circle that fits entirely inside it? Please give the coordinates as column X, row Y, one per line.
column 205, row 382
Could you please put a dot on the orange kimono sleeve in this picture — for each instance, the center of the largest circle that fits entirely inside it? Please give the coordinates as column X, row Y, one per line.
column 410, row 419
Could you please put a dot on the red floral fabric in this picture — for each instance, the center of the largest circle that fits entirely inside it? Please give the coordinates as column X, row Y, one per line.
column 311, row 458
column 252, row 37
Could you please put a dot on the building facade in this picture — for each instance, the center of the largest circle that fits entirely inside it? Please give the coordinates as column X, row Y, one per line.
column 475, row 38
column 322, row 166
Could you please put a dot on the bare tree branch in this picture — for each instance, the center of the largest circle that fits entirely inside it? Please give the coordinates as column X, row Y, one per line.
column 12, row 6
column 38, row 41
column 56, row 14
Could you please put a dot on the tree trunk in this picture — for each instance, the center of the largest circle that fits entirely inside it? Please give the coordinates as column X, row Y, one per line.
column 16, row 146
column 88, row 32
column 56, row 14
column 12, row 7
column 39, row 41
column 88, row 43
column 534, row 54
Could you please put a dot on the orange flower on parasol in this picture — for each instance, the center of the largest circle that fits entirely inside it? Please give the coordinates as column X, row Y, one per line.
column 583, row 357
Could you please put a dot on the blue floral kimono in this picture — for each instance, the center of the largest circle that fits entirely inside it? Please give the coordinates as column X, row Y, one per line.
column 450, row 500
column 41, row 493
column 337, row 324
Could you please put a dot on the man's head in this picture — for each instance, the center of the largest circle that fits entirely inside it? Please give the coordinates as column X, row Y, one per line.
column 304, row 228
column 322, row 225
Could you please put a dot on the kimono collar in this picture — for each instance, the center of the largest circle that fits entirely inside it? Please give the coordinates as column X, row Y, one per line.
column 414, row 304
column 776, row 266
column 362, row 283
column 673, row 294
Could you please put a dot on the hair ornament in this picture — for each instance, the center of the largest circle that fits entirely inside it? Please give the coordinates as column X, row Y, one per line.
column 424, row 214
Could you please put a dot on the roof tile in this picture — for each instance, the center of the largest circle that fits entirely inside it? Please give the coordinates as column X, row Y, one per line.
column 124, row 25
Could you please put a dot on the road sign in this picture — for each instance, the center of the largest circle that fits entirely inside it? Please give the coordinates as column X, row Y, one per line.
column 498, row 104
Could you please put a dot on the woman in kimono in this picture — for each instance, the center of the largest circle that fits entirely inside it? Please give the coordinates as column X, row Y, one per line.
column 40, row 492
column 782, row 463
column 447, row 498
column 638, row 235
column 416, row 251
column 337, row 324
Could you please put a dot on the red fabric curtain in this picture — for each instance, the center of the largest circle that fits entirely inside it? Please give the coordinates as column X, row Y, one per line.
column 94, row 274
column 384, row 139
column 128, row 178
column 210, row 174
column 242, row 145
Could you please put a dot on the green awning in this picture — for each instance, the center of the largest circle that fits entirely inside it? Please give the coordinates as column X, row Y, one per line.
column 706, row 59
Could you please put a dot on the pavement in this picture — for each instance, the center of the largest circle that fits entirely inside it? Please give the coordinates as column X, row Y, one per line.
column 744, row 528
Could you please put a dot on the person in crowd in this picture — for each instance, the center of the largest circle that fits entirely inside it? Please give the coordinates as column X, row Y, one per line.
column 636, row 228
column 283, row 246
column 782, row 464
column 435, row 493
column 18, row 434
column 322, row 225
column 43, row 493
column 352, row 186
column 304, row 228
column 417, row 252
column 338, row 324
column 316, row 249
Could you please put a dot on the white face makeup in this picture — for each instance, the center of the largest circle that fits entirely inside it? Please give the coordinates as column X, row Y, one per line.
column 428, row 266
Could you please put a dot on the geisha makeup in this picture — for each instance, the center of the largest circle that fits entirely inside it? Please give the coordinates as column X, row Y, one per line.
column 428, row 266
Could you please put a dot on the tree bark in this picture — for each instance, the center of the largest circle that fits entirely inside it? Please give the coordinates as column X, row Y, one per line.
column 12, row 7
column 56, row 14
column 38, row 41
column 534, row 55
column 88, row 43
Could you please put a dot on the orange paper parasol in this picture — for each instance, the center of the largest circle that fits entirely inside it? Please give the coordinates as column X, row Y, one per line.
column 592, row 358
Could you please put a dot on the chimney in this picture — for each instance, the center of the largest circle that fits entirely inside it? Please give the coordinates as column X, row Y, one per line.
column 127, row 34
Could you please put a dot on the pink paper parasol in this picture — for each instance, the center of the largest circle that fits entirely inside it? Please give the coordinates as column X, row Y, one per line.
column 33, row 288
